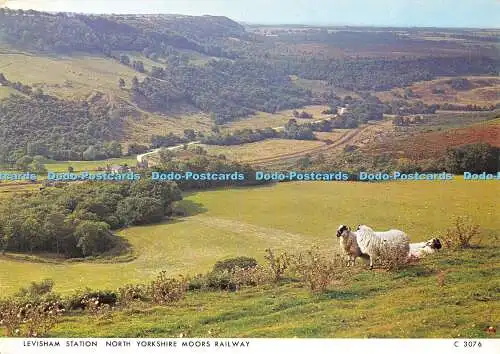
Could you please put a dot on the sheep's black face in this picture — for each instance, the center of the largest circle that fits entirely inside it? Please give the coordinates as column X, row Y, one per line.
column 436, row 244
column 342, row 229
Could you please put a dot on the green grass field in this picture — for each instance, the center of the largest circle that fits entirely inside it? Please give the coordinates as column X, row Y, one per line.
column 288, row 216
column 411, row 303
column 64, row 76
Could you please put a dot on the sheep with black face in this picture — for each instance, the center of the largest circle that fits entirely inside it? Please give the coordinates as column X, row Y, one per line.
column 349, row 244
column 421, row 249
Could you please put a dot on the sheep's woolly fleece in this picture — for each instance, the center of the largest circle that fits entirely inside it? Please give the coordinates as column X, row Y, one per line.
column 375, row 244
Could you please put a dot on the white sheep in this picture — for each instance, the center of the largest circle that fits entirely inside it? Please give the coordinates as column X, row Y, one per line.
column 381, row 243
column 349, row 244
column 421, row 249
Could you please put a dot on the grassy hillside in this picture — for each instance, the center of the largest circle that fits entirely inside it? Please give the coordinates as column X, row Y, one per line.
column 435, row 142
column 287, row 216
column 66, row 77
column 449, row 295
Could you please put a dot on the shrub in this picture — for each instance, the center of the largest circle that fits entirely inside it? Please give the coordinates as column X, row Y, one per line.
column 82, row 299
column 220, row 281
column 36, row 289
column 198, row 282
column 277, row 264
column 131, row 293
column 253, row 276
column 233, row 263
column 99, row 306
column 461, row 233
column 27, row 319
column 391, row 258
column 166, row 290
column 319, row 271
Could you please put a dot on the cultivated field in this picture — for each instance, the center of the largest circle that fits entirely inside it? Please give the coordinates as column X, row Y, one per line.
column 289, row 216
column 262, row 149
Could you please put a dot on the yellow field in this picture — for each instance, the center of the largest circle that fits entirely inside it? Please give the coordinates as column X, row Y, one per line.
column 262, row 149
column 264, row 120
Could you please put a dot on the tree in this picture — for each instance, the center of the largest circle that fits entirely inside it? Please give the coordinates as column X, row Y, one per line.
column 90, row 153
column 140, row 210
column 36, row 148
column 135, row 148
column 113, row 149
column 189, row 134
column 92, row 237
column 38, row 167
column 408, row 92
column 138, row 65
column 3, row 79
column 165, row 192
column 135, row 83
column 474, row 158
column 23, row 163
column 121, row 83
column 460, row 83
column 124, row 59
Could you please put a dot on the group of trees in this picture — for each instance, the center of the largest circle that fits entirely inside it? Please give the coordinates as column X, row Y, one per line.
column 58, row 129
column 227, row 89
column 31, row 164
column 383, row 73
column 137, row 65
column 474, row 158
column 468, row 108
column 242, row 136
column 203, row 163
column 403, row 107
column 166, row 140
column 291, row 130
column 75, row 220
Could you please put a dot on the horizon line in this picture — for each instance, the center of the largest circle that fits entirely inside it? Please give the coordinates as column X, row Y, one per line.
column 254, row 23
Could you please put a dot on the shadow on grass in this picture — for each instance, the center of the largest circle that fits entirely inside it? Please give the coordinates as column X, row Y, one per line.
column 350, row 294
column 413, row 271
column 185, row 208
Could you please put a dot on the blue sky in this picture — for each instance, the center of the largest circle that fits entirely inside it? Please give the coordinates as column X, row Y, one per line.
column 439, row 13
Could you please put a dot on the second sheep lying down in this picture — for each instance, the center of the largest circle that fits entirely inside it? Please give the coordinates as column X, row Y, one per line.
column 421, row 249
column 393, row 244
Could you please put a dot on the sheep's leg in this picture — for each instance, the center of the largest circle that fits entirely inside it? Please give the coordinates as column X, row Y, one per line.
column 371, row 262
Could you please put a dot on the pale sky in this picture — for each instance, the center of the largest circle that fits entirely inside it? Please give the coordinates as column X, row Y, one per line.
column 436, row 13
